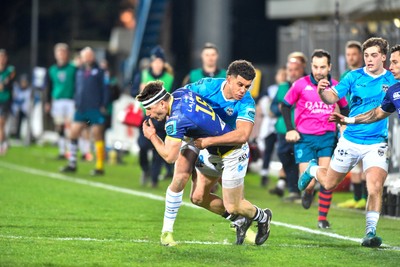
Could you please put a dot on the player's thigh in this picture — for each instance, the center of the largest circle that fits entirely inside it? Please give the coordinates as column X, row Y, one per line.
column 345, row 156
column 235, row 165
column 375, row 177
column 201, row 186
column 97, row 131
column 375, row 155
column 324, row 161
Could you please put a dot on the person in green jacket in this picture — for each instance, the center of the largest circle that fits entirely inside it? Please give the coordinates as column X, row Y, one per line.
column 209, row 65
column 60, row 94
column 7, row 75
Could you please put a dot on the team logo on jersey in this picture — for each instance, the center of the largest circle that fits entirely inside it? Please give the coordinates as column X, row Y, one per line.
column 396, row 95
column 251, row 113
column 356, row 101
column 170, row 128
column 385, row 87
column 229, row 111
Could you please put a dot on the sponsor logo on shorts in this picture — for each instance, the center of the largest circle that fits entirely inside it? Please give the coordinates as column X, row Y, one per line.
column 240, row 168
column 381, row 152
column 243, row 157
column 342, row 152
column 299, row 153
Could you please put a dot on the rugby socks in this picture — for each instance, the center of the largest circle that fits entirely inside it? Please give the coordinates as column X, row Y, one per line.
column 84, row 146
column 73, row 149
column 236, row 219
column 260, row 216
column 100, row 154
column 364, row 190
column 61, row 141
column 173, row 201
column 313, row 172
column 357, row 191
column 372, row 218
column 324, row 203
column 281, row 184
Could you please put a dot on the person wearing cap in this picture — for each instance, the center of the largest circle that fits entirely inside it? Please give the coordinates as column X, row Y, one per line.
column 158, row 70
column 7, row 75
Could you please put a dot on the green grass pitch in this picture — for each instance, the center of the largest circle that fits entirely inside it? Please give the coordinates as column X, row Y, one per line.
column 51, row 219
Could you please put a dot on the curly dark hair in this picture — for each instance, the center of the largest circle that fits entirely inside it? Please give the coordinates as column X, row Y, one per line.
column 376, row 41
column 243, row 68
column 395, row 49
column 150, row 90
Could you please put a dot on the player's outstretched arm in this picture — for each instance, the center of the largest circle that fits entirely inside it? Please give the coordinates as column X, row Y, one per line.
column 368, row 117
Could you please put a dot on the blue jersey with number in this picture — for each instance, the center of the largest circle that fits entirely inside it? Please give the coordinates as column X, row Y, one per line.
column 391, row 102
column 191, row 116
column 366, row 93
column 229, row 110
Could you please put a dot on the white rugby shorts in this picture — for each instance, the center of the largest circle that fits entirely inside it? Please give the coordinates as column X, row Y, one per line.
column 231, row 167
column 62, row 110
column 347, row 154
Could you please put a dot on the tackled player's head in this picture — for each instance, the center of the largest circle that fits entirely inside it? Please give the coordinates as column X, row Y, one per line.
column 155, row 100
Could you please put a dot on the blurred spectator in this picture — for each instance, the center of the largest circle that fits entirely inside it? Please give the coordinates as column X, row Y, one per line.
column 209, row 65
column 22, row 96
column 295, row 69
column 267, row 135
column 91, row 99
column 60, row 94
column 158, row 70
column 7, row 75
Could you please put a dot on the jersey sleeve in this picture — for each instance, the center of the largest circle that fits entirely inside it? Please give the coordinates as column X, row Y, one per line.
column 342, row 88
column 174, row 129
column 292, row 96
column 247, row 110
column 342, row 103
column 197, row 86
column 387, row 103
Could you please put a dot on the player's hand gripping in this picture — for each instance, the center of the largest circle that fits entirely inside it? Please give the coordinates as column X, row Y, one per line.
column 200, row 143
column 148, row 129
column 323, row 84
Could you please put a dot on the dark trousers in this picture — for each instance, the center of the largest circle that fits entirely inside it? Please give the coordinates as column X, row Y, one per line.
column 286, row 156
column 269, row 141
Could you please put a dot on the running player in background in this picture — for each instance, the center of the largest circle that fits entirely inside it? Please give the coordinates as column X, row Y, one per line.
column 367, row 87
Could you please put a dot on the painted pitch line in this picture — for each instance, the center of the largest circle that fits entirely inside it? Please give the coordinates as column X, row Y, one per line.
column 156, row 197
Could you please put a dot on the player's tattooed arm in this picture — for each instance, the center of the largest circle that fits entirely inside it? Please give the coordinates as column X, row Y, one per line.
column 371, row 116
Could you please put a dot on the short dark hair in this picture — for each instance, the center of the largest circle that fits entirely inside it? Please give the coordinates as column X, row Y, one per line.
column 395, row 49
column 243, row 68
column 150, row 90
column 354, row 44
column 209, row 45
column 321, row 53
column 376, row 41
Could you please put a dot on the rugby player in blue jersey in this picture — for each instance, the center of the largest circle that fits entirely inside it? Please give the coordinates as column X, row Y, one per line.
column 367, row 87
column 390, row 103
column 233, row 174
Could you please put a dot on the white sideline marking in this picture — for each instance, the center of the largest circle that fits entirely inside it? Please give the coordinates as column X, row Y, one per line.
column 155, row 197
